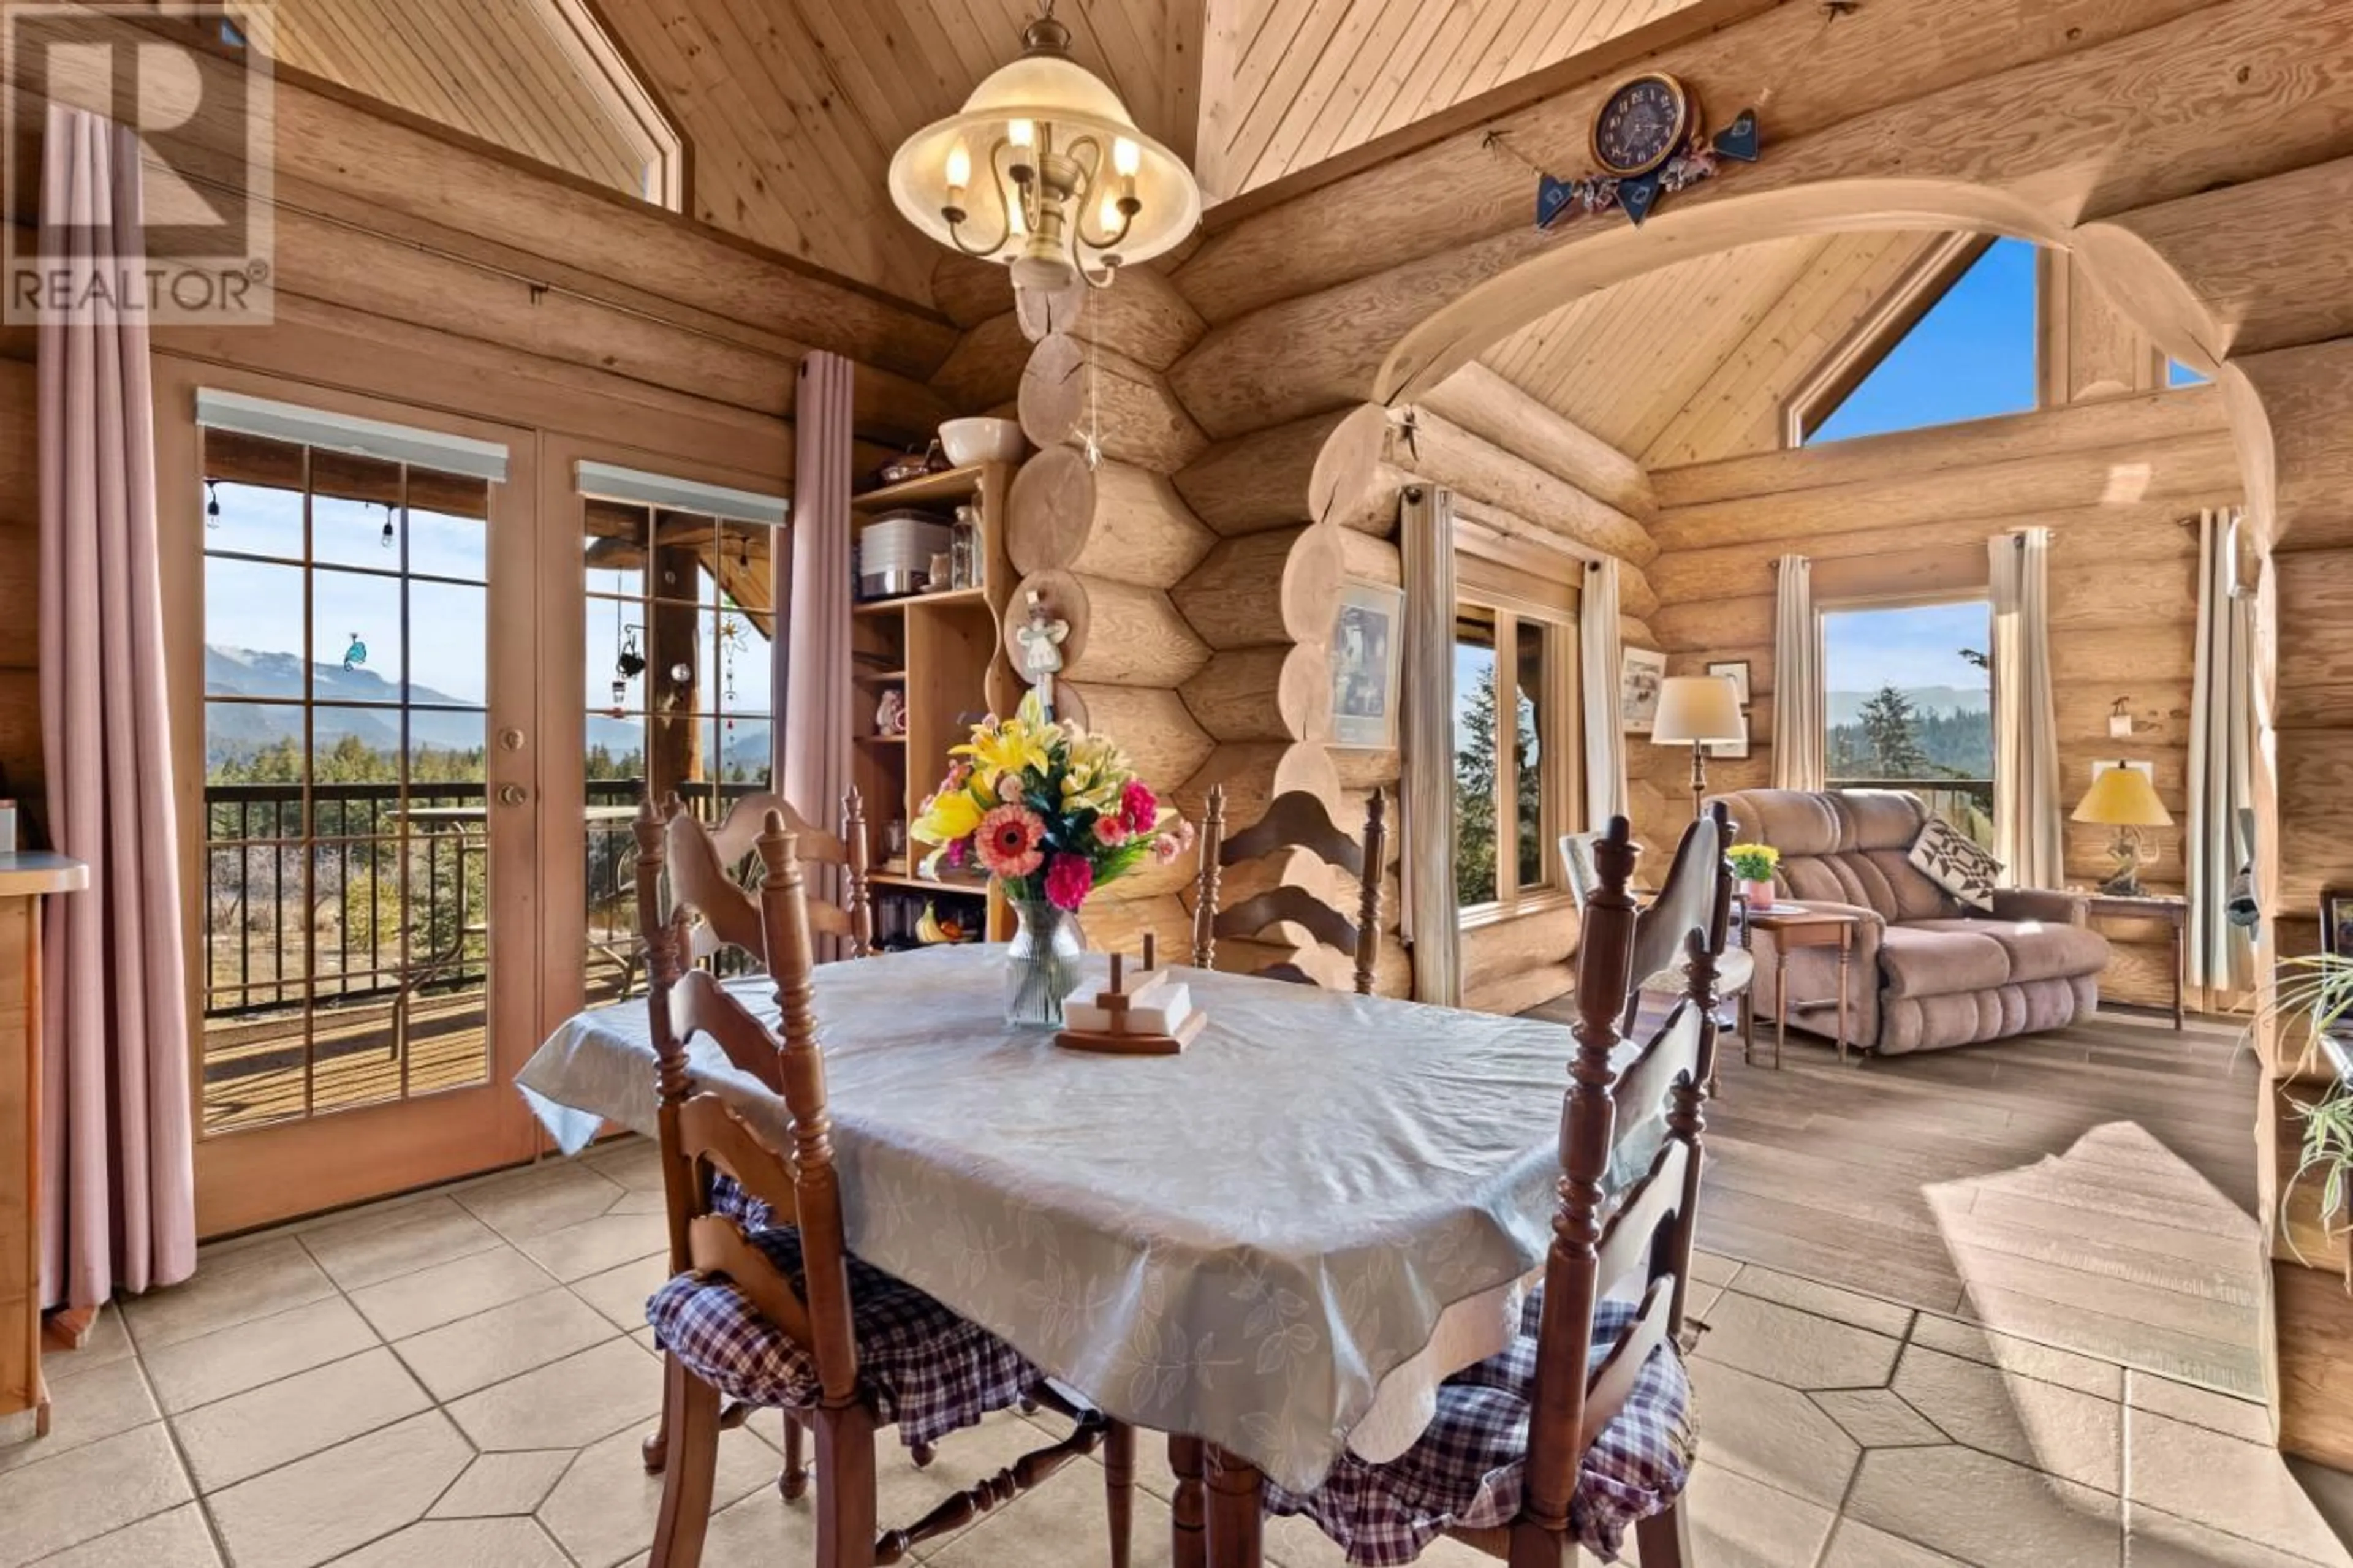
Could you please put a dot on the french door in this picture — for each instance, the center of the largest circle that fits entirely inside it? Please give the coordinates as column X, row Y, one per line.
column 356, row 697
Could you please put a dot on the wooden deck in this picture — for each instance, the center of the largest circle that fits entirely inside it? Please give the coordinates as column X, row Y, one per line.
column 253, row 1067
column 2093, row 1188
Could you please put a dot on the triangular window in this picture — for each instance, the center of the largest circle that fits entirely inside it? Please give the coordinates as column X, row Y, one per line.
column 1970, row 355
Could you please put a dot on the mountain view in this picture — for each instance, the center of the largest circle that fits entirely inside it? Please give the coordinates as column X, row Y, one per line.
column 1910, row 732
column 238, row 738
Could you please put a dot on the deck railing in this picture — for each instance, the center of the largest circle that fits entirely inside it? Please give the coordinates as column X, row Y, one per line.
column 380, row 912
column 1966, row 803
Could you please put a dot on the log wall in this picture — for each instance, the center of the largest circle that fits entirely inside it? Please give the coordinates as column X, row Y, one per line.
column 428, row 268
column 2114, row 481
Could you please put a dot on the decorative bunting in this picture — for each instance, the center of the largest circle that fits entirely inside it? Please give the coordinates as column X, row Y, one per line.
column 1556, row 198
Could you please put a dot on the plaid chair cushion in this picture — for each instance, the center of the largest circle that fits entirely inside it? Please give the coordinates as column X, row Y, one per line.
column 1465, row 1470
column 732, row 1202
column 925, row 1369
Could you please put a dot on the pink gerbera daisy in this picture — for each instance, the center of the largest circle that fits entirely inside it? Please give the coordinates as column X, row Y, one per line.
column 1008, row 841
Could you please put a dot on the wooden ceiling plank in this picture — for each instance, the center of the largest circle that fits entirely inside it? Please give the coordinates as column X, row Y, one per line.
column 1377, row 99
column 1744, row 383
column 1338, row 85
column 1430, row 85
column 1293, row 73
column 1736, row 301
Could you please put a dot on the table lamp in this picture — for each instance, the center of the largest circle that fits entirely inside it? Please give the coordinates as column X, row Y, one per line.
column 1697, row 711
column 2122, row 797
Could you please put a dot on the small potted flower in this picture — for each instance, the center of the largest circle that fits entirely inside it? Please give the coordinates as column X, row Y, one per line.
column 1754, row 864
column 1050, row 811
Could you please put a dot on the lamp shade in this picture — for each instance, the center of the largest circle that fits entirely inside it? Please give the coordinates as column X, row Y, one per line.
column 1698, row 710
column 2122, row 797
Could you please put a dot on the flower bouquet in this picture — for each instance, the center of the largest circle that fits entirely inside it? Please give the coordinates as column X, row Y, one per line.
column 1052, row 812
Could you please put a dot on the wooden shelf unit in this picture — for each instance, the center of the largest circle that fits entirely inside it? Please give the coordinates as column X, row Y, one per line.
column 936, row 648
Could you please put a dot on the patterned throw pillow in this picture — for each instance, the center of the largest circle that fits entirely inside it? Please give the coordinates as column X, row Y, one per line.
column 1956, row 863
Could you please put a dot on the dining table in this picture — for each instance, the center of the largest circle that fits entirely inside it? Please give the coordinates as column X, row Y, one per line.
column 1273, row 1246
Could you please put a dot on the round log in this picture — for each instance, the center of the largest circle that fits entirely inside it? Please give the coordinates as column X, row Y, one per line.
column 1070, row 389
column 1150, row 722
column 1273, row 693
column 1326, row 468
column 1364, row 559
column 1110, row 521
column 1254, row 773
column 1444, row 453
column 1003, row 688
column 1141, row 315
column 1364, row 767
column 1116, row 924
column 1265, row 588
column 1121, row 634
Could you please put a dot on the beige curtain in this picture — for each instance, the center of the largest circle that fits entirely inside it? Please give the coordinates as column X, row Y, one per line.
column 1605, row 733
column 2222, row 757
column 1429, row 920
column 812, row 764
column 118, row 1175
column 2026, row 804
column 1801, row 706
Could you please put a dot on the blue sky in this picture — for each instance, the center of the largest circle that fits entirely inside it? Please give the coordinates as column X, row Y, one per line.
column 1970, row 357
column 1909, row 649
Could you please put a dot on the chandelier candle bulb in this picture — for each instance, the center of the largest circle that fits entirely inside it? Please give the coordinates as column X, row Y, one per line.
column 1082, row 191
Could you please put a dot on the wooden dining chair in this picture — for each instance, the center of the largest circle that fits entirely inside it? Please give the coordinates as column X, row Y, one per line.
column 1295, row 820
column 729, row 845
column 1658, row 990
column 1582, row 1429
column 765, row 1306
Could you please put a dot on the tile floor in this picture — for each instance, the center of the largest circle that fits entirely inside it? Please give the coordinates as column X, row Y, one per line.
column 459, row 1380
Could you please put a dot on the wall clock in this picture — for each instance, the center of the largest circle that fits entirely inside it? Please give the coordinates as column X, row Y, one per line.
column 1642, row 124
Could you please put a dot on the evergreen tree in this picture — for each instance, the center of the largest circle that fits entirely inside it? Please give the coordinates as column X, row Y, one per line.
column 1889, row 729
column 1474, row 799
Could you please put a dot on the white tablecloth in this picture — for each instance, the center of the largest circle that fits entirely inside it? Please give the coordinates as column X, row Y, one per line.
column 1279, row 1241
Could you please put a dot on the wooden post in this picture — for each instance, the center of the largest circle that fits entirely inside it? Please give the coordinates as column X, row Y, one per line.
column 674, row 750
column 1204, row 908
column 1368, row 909
column 1557, row 1417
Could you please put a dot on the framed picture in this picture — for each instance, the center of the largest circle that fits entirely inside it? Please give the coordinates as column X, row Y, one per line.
column 1735, row 671
column 1732, row 750
column 1368, row 652
column 2337, row 922
column 1640, row 672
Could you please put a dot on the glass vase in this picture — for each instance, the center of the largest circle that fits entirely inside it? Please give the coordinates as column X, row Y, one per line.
column 1042, row 966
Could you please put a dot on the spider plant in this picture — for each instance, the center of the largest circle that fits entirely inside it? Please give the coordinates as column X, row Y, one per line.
column 2313, row 993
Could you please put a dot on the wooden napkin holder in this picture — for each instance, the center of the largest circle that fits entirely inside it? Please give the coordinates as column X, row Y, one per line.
column 1120, row 1039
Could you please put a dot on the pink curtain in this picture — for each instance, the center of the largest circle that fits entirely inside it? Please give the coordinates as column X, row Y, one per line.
column 813, row 742
column 118, row 1175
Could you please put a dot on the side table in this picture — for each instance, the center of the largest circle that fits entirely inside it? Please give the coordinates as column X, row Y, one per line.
column 1796, row 926
column 2172, row 909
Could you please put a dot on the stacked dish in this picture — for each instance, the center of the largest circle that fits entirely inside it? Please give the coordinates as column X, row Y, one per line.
column 895, row 551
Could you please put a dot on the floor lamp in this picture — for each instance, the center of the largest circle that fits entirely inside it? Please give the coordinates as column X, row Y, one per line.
column 1698, row 711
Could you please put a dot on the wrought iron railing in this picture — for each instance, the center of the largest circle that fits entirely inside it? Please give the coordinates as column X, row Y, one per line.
column 376, row 911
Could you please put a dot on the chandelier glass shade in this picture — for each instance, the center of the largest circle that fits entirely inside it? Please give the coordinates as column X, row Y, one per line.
column 1044, row 170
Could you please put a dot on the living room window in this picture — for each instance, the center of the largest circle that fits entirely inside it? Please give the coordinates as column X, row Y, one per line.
column 1910, row 705
column 1514, row 737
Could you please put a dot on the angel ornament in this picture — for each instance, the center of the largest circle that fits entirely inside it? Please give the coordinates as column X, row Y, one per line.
column 1041, row 648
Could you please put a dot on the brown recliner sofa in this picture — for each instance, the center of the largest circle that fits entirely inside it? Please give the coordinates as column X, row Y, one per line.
column 1928, row 972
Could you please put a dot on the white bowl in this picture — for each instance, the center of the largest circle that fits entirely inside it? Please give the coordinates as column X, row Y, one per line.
column 982, row 441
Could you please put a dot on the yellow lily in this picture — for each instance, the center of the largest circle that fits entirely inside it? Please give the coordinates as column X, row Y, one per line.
column 948, row 816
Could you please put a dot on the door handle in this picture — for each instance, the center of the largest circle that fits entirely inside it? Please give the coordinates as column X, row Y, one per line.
column 512, row 795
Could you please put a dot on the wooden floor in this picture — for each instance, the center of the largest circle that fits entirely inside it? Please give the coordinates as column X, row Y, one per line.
column 2091, row 1188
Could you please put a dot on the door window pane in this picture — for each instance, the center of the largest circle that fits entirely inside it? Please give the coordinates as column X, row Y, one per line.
column 1911, row 706
column 347, row 852
column 1532, row 721
column 1475, row 825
